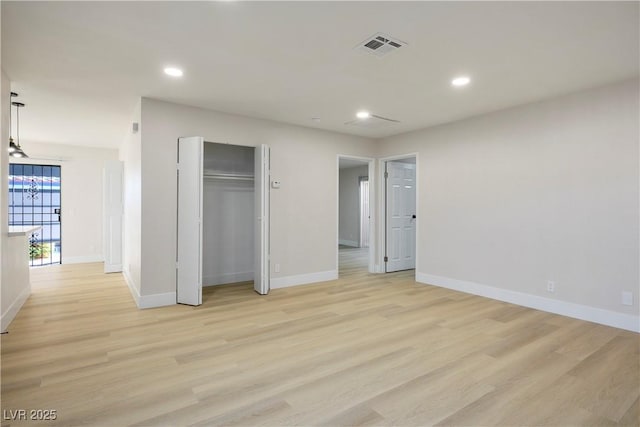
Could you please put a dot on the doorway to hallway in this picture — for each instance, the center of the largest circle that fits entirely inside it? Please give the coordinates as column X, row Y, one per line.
column 355, row 245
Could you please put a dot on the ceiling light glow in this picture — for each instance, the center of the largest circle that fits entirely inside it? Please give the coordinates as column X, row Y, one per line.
column 173, row 72
column 363, row 114
column 460, row 81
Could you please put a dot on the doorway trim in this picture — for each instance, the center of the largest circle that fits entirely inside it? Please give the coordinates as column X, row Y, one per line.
column 190, row 175
column 382, row 224
column 371, row 164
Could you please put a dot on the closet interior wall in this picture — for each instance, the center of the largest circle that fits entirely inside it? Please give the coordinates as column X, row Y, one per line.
column 228, row 211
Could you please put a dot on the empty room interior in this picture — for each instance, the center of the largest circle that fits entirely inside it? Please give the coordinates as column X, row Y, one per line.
column 320, row 213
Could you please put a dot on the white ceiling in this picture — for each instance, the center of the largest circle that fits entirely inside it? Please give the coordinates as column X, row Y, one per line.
column 79, row 66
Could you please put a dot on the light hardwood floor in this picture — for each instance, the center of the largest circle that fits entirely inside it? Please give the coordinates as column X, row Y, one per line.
column 362, row 350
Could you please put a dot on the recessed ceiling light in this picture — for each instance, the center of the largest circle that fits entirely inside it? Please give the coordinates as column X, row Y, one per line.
column 363, row 114
column 173, row 72
column 460, row 81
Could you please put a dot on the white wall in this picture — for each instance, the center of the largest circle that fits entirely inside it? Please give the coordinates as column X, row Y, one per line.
column 303, row 211
column 228, row 247
column 14, row 274
column 81, row 186
column 16, row 285
column 349, row 204
column 14, row 256
column 5, row 90
column 546, row 191
column 130, row 153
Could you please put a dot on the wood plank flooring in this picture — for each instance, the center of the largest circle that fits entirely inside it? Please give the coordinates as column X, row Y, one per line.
column 362, row 350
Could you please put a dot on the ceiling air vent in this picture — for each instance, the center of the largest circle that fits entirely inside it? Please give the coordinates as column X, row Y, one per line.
column 380, row 45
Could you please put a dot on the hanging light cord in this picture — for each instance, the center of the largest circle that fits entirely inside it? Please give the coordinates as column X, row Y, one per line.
column 18, row 126
column 12, row 95
column 14, row 148
column 18, row 105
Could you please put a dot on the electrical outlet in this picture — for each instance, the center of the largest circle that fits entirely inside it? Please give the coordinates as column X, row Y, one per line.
column 627, row 298
column 276, row 268
column 551, row 286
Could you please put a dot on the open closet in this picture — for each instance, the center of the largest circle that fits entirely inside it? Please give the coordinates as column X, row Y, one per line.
column 223, row 217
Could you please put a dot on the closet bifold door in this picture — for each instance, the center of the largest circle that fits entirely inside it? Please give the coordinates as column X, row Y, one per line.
column 261, row 229
column 189, row 239
column 112, row 202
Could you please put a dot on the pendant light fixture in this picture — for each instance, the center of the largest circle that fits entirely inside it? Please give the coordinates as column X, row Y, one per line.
column 12, row 145
column 18, row 150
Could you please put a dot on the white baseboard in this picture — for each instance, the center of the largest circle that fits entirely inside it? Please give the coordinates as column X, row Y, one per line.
column 148, row 301
column 583, row 312
column 349, row 243
column 82, row 259
column 116, row 268
column 303, row 279
column 14, row 308
column 132, row 288
column 157, row 300
column 221, row 279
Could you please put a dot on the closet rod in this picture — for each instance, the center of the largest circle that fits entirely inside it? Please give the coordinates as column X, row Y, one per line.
column 229, row 176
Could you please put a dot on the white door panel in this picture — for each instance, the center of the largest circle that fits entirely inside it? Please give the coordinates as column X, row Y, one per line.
column 396, row 238
column 364, row 212
column 113, row 211
column 261, row 228
column 408, row 242
column 400, row 223
column 189, row 250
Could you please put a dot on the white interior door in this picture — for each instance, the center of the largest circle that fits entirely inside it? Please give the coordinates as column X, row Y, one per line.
column 261, row 229
column 401, row 218
column 113, row 210
column 189, row 249
column 365, row 218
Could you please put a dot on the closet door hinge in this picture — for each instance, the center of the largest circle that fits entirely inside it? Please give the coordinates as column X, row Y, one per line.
column 386, row 175
column 386, row 259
